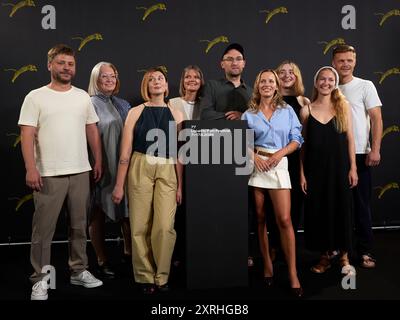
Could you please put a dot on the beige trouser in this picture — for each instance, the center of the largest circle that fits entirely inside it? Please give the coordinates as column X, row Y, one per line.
column 152, row 205
column 48, row 204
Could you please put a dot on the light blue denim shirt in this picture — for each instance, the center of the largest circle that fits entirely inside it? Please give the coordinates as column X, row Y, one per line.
column 276, row 133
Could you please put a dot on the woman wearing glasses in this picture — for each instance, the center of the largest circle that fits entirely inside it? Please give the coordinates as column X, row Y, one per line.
column 112, row 111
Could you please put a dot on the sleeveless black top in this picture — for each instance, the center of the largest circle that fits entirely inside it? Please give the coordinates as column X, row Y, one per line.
column 292, row 101
column 294, row 158
column 157, row 142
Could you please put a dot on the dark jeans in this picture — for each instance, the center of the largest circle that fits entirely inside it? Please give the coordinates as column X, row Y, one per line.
column 362, row 207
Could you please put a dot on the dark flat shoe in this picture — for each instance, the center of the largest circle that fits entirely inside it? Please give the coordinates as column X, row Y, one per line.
column 163, row 288
column 148, row 288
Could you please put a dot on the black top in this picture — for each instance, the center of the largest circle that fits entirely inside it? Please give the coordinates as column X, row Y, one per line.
column 159, row 143
column 296, row 194
column 294, row 158
column 292, row 101
column 221, row 96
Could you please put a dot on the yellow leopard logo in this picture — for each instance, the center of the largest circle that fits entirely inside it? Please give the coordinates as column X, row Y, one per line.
column 163, row 68
column 332, row 43
column 150, row 10
column 212, row 43
column 390, row 129
column 84, row 41
column 17, row 73
column 387, row 74
column 22, row 200
column 274, row 12
column 387, row 187
column 17, row 139
column 387, row 15
column 19, row 5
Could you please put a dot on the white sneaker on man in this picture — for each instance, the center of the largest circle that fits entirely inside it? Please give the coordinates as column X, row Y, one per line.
column 86, row 279
column 39, row 290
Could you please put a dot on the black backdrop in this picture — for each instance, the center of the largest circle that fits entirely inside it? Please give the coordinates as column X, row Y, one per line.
column 172, row 38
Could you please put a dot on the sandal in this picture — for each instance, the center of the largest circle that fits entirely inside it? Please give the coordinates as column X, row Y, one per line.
column 323, row 265
column 347, row 268
column 367, row 261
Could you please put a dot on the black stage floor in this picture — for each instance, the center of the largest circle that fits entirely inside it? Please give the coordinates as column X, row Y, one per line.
column 381, row 283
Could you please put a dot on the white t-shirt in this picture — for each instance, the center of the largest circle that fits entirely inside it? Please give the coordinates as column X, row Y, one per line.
column 362, row 96
column 60, row 119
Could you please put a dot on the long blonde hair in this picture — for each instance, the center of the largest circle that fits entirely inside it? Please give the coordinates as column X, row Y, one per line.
column 277, row 100
column 298, row 86
column 338, row 100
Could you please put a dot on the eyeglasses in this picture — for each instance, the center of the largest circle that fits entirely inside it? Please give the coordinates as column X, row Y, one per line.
column 105, row 76
column 232, row 59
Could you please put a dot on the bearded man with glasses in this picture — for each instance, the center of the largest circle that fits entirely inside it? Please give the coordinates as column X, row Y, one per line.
column 227, row 98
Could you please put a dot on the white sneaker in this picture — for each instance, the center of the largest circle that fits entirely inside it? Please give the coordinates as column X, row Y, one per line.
column 86, row 279
column 39, row 290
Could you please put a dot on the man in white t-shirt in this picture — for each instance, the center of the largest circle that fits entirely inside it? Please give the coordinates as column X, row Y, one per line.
column 57, row 121
column 367, row 117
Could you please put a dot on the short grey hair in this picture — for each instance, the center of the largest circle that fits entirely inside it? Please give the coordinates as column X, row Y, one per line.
column 94, row 77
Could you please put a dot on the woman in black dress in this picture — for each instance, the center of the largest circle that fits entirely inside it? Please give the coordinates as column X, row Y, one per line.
column 292, row 91
column 328, row 171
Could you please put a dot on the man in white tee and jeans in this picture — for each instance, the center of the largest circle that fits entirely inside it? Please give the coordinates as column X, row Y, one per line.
column 367, row 117
column 56, row 123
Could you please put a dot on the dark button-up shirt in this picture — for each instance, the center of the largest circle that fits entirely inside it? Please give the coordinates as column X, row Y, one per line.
column 221, row 96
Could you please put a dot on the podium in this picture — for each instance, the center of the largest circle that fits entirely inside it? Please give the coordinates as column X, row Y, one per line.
column 216, row 197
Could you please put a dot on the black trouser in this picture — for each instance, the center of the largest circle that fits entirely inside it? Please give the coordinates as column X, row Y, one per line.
column 362, row 207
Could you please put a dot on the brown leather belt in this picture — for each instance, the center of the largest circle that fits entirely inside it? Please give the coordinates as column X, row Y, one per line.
column 263, row 153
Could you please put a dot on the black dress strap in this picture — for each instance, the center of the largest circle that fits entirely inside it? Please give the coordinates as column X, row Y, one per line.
column 309, row 108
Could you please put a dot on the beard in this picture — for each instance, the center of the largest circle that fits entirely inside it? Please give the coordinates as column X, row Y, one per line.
column 58, row 77
column 235, row 73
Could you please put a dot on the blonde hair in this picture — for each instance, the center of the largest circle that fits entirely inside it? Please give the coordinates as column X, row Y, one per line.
column 144, row 88
column 182, row 90
column 343, row 48
column 94, row 79
column 298, row 86
column 277, row 100
column 339, row 103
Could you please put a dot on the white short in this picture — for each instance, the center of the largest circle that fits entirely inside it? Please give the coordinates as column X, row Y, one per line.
column 276, row 178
